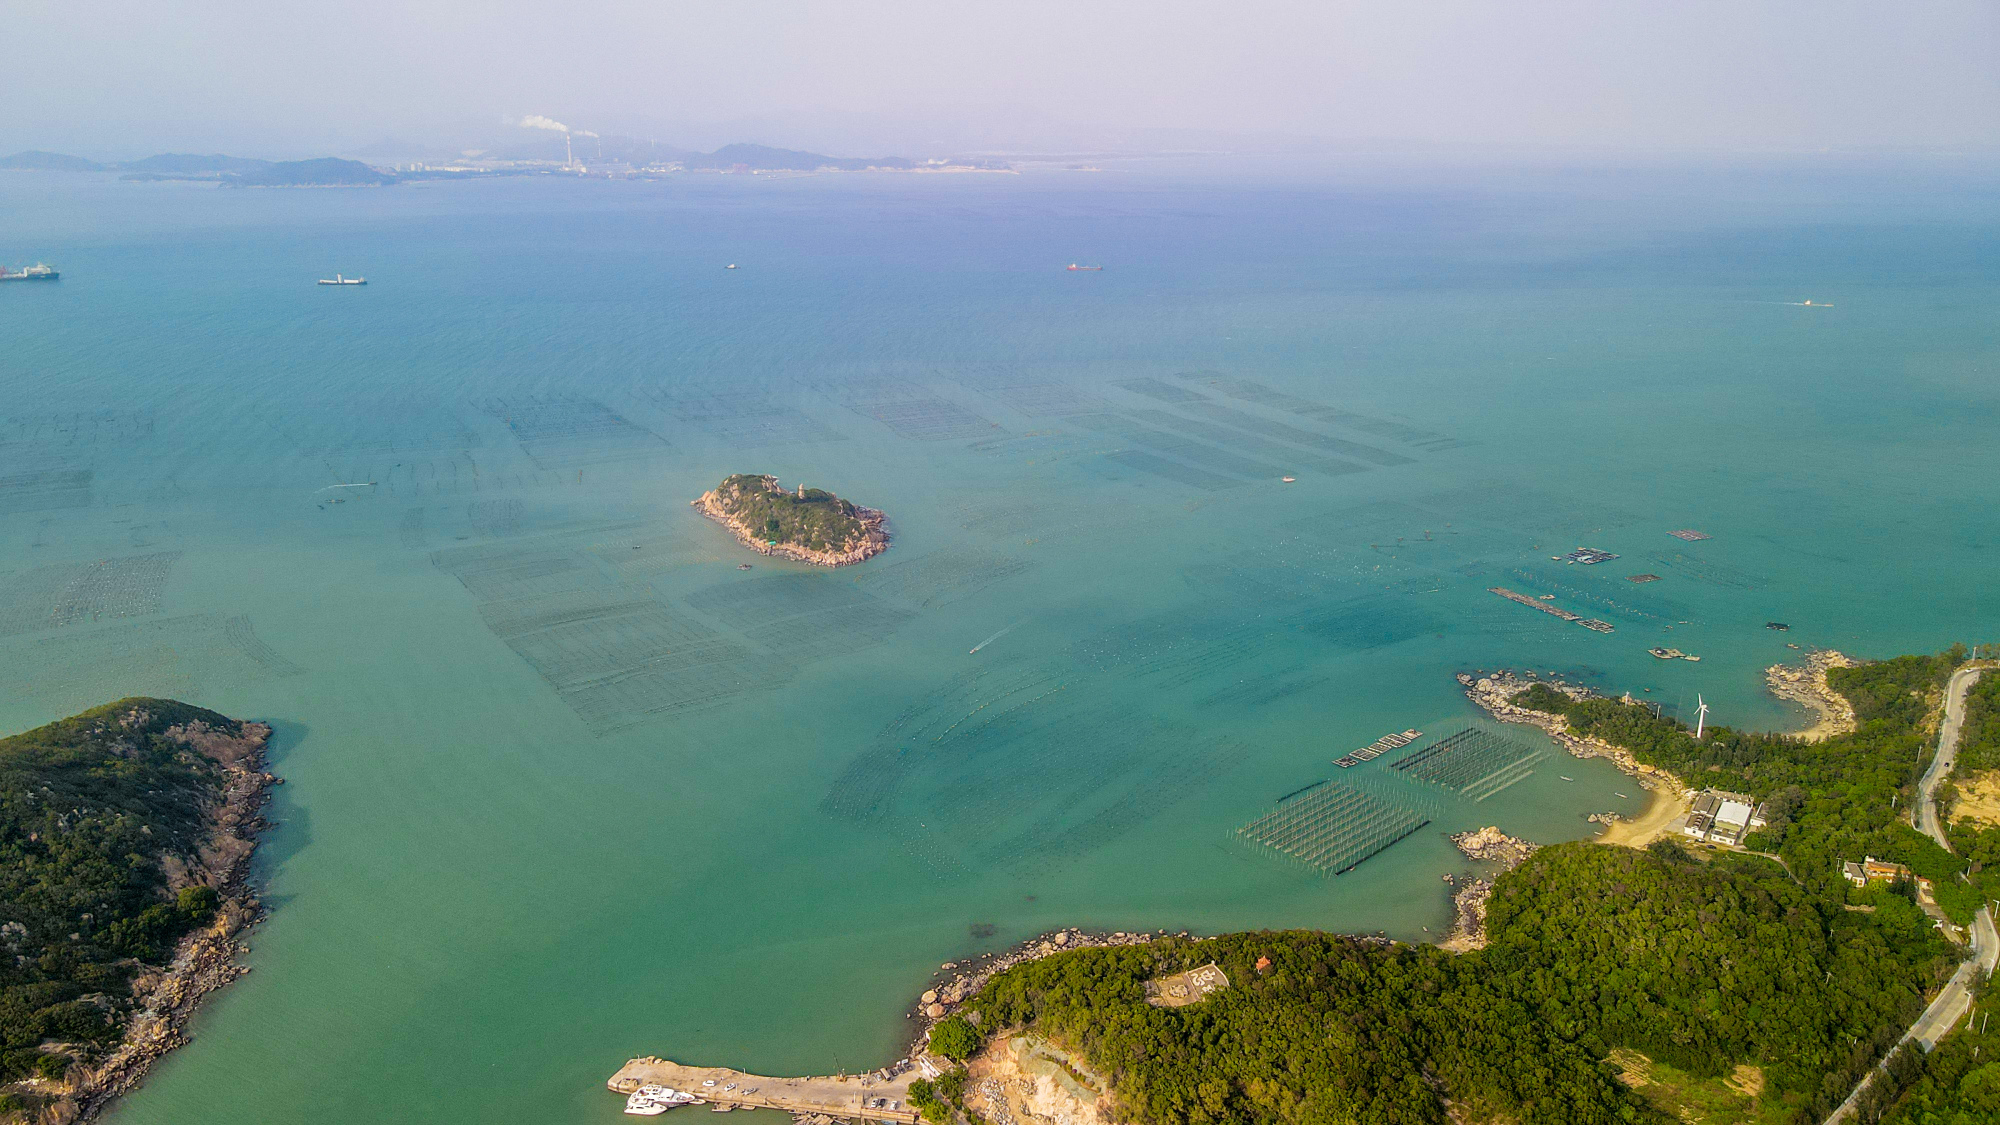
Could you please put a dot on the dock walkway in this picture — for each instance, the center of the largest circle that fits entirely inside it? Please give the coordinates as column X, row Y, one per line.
column 851, row 1097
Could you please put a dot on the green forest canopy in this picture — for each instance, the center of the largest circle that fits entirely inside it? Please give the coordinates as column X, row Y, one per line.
column 89, row 807
column 1700, row 962
column 812, row 518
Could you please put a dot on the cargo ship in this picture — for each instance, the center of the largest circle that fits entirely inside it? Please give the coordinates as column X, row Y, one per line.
column 36, row 272
column 337, row 279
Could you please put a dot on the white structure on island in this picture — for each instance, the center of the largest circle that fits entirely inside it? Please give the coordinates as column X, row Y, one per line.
column 1722, row 818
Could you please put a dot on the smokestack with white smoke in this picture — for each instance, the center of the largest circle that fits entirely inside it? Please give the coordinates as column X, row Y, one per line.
column 537, row 121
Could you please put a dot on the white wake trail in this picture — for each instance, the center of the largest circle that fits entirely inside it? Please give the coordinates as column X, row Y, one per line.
column 994, row 637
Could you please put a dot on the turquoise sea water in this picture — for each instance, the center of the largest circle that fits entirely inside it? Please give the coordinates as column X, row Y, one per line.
column 565, row 785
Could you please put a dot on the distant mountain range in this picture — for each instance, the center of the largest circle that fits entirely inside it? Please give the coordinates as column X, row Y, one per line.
column 238, row 170
column 587, row 151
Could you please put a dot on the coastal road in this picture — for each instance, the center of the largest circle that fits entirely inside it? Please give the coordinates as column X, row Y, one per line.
column 1956, row 997
column 1954, row 717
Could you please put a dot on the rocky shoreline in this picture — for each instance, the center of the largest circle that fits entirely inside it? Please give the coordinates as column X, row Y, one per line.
column 1494, row 693
column 874, row 524
column 205, row 960
column 969, row 976
column 1805, row 684
column 1486, row 845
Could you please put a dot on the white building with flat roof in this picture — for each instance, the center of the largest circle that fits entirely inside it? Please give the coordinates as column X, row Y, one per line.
column 1722, row 818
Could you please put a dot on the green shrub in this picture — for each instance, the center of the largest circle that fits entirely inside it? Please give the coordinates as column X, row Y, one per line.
column 955, row 1039
column 197, row 904
column 923, row 1095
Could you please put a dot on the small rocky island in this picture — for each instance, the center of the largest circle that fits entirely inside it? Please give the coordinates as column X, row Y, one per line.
column 810, row 524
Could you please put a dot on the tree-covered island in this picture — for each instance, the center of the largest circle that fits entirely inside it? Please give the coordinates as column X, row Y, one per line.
column 1617, row 985
column 125, row 839
column 808, row 524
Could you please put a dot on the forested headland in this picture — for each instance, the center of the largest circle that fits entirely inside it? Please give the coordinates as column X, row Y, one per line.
column 123, row 830
column 1710, row 962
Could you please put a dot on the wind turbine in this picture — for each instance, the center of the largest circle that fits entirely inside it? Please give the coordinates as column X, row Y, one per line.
column 1700, row 716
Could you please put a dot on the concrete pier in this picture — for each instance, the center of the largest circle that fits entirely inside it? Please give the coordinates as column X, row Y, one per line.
column 851, row 1097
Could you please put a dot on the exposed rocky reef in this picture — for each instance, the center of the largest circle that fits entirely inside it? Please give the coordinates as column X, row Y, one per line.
column 1487, row 845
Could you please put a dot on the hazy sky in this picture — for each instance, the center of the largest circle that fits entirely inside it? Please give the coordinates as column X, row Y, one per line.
column 126, row 77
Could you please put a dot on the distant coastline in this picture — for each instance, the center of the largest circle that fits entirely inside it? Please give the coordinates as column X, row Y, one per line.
column 622, row 159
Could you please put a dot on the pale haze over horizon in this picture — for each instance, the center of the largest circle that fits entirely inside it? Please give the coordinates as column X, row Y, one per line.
column 126, row 79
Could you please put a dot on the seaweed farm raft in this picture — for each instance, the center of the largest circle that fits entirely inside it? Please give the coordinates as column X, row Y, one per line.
column 1331, row 828
column 1590, row 623
column 1588, row 556
column 1475, row 763
column 1378, row 748
column 1690, row 536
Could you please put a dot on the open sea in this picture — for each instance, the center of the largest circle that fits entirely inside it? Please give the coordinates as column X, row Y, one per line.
column 565, row 785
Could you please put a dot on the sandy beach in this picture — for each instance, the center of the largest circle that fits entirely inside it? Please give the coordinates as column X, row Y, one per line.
column 1663, row 808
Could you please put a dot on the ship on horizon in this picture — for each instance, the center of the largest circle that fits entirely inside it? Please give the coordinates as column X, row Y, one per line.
column 36, row 272
column 338, row 279
column 1074, row 268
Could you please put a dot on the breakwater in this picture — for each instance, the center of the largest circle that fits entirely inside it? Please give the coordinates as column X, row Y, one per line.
column 882, row 1095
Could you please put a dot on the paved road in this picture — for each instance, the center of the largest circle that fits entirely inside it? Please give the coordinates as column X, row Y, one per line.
column 1954, row 717
column 1951, row 1003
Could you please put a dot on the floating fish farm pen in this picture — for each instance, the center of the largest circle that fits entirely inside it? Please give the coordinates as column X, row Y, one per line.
column 1331, row 827
column 1473, row 762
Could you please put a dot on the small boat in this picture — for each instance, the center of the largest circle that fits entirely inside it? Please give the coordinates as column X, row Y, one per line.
column 1074, row 268
column 639, row 1105
column 651, row 1101
column 1289, row 480
column 730, row 266
column 739, row 566
column 1622, row 796
column 341, row 279
column 1566, row 778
